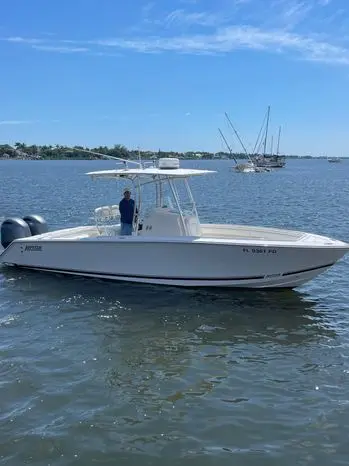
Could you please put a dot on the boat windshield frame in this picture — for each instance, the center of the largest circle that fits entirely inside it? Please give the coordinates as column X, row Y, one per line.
column 140, row 178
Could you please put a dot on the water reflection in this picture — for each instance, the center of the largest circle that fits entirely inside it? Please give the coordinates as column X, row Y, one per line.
column 171, row 315
column 119, row 366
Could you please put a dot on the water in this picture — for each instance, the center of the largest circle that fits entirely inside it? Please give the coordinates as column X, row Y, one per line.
column 94, row 373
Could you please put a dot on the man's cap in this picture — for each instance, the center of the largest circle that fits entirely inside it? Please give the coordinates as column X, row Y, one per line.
column 127, row 190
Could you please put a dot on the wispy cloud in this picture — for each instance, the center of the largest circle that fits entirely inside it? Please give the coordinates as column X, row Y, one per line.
column 16, row 122
column 59, row 49
column 294, row 12
column 202, row 18
column 222, row 41
column 229, row 39
column 60, row 46
column 190, row 31
column 24, row 40
column 105, row 54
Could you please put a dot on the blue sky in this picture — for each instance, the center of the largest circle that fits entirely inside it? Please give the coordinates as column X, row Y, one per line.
column 161, row 74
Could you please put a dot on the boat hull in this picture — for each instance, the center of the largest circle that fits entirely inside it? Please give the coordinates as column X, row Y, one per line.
column 187, row 262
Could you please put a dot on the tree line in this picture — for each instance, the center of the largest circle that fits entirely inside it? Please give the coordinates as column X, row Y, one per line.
column 56, row 152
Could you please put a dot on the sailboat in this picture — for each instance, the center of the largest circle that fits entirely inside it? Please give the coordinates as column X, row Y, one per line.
column 247, row 167
column 272, row 160
column 333, row 159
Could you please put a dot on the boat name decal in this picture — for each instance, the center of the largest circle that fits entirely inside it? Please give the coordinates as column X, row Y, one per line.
column 33, row 248
column 259, row 250
column 273, row 275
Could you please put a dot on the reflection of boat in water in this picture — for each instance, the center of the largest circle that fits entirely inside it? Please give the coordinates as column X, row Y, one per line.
column 170, row 316
column 143, row 351
column 227, row 329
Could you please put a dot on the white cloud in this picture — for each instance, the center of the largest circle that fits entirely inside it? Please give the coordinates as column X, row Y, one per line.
column 203, row 18
column 24, row 40
column 59, row 49
column 105, row 54
column 229, row 39
column 277, row 31
column 295, row 12
column 222, row 41
column 16, row 122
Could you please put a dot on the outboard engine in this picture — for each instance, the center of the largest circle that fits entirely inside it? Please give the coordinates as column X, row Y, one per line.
column 36, row 224
column 13, row 228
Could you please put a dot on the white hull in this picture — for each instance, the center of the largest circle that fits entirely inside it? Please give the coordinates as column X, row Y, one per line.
column 282, row 282
column 223, row 256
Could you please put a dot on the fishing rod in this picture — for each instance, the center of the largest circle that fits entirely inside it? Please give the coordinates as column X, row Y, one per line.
column 109, row 157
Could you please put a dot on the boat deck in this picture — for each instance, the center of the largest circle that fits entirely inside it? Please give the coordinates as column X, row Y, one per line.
column 233, row 234
column 243, row 232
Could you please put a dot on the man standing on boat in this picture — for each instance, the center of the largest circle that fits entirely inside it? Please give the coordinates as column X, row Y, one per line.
column 126, row 207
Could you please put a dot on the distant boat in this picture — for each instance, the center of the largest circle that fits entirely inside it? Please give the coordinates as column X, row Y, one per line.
column 250, row 167
column 272, row 160
column 334, row 160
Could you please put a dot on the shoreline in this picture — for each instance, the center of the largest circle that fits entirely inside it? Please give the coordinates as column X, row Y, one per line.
column 38, row 159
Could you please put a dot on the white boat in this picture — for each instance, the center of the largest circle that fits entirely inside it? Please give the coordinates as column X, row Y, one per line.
column 247, row 167
column 169, row 245
column 334, row 160
column 250, row 167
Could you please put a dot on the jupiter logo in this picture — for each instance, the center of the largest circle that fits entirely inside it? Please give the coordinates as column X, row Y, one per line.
column 33, row 248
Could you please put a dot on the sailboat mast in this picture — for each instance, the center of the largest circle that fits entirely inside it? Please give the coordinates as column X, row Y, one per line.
column 236, row 133
column 266, row 131
column 271, row 145
column 277, row 152
column 226, row 143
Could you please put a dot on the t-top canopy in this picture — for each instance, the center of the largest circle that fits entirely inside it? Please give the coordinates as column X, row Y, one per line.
column 151, row 171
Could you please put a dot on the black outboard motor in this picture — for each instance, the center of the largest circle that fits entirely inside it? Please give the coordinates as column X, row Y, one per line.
column 13, row 228
column 37, row 224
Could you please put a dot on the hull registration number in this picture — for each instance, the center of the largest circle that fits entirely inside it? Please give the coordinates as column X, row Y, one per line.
column 259, row 250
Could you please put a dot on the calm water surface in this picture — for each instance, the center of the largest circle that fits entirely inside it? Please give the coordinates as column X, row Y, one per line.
column 104, row 373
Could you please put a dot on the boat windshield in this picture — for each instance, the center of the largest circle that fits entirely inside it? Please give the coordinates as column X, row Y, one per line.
column 170, row 193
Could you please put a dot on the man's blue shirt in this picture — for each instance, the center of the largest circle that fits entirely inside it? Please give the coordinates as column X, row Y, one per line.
column 127, row 208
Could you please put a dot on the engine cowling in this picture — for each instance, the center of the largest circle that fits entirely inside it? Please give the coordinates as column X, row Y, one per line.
column 14, row 228
column 37, row 224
